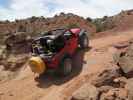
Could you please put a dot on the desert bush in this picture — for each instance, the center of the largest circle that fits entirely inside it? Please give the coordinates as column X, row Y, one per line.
column 72, row 25
column 103, row 24
column 89, row 19
column 98, row 24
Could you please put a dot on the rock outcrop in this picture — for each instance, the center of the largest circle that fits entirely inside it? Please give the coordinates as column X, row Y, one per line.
column 125, row 61
column 129, row 87
column 106, row 76
column 119, row 22
column 86, row 92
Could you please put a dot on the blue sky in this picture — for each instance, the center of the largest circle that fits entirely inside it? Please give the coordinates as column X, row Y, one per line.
column 4, row 3
column 17, row 9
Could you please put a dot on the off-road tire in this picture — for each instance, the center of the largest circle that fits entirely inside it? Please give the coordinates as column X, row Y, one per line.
column 66, row 66
column 84, row 41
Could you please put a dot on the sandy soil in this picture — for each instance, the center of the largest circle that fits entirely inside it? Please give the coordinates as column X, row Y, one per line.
column 86, row 64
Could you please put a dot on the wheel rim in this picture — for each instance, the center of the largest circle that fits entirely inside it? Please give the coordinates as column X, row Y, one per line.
column 67, row 66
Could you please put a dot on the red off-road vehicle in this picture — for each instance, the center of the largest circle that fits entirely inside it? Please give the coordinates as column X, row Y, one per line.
column 54, row 50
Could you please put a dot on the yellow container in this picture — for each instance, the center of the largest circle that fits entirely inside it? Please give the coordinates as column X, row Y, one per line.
column 37, row 65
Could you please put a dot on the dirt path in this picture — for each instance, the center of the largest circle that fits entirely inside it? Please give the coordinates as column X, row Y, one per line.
column 86, row 63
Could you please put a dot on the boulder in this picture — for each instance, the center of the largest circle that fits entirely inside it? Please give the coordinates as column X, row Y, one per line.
column 16, row 38
column 126, row 65
column 116, row 57
column 2, row 51
column 121, row 45
column 125, row 61
column 118, row 54
column 129, row 87
column 105, row 88
column 18, row 42
column 115, row 94
column 86, row 92
column 130, row 50
column 106, row 76
column 120, row 81
column 15, row 62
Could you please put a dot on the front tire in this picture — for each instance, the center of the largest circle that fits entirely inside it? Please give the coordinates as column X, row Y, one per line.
column 84, row 41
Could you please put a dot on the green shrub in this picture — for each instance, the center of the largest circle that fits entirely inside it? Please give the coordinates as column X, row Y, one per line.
column 103, row 24
column 89, row 19
column 72, row 25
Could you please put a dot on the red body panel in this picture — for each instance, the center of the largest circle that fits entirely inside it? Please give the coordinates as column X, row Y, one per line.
column 70, row 47
column 75, row 30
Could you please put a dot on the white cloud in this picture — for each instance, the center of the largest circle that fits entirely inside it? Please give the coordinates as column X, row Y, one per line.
column 92, row 8
column 22, row 9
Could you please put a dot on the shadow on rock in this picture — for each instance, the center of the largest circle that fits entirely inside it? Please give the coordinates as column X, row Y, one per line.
column 44, row 81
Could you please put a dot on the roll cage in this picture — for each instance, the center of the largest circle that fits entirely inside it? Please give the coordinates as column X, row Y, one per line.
column 51, row 42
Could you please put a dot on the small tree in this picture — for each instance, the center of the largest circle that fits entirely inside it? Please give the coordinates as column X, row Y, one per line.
column 89, row 19
column 33, row 19
column 105, row 17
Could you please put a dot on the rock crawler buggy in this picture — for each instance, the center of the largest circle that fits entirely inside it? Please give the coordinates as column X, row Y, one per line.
column 54, row 50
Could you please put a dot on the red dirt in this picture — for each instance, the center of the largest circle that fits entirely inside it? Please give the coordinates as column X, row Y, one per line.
column 28, row 87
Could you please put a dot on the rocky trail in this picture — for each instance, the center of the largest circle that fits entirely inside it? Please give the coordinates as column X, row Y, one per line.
column 27, row 86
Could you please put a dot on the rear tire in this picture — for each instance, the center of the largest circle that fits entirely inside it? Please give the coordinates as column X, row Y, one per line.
column 66, row 66
column 84, row 41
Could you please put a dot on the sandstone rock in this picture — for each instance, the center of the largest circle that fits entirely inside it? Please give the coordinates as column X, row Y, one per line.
column 115, row 94
column 121, row 81
column 16, row 37
column 130, row 50
column 15, row 62
column 86, row 92
column 125, row 61
column 106, row 76
column 126, row 64
column 129, row 87
column 116, row 57
column 121, row 45
column 18, row 42
column 105, row 88
column 2, row 51
column 118, row 54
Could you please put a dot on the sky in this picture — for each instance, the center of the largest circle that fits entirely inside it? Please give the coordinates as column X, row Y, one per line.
column 20, row 9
